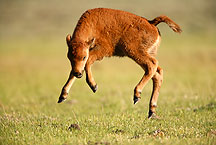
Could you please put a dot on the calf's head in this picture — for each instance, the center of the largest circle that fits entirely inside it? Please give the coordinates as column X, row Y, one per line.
column 78, row 53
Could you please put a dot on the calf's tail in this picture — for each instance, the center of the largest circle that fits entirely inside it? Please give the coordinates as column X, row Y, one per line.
column 175, row 27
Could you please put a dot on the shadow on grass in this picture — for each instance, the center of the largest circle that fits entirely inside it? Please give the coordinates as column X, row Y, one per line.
column 211, row 106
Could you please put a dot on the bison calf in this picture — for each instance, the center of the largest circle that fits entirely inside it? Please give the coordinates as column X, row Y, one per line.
column 105, row 32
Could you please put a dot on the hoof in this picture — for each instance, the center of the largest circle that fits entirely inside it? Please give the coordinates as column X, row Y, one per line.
column 153, row 115
column 61, row 99
column 136, row 99
column 94, row 88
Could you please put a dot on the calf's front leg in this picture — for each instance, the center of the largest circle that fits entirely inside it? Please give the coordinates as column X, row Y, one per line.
column 89, row 78
column 66, row 88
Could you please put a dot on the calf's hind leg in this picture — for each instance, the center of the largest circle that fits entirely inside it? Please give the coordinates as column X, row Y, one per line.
column 157, row 81
column 149, row 64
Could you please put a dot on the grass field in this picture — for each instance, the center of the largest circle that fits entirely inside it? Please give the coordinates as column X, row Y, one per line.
column 34, row 67
column 32, row 75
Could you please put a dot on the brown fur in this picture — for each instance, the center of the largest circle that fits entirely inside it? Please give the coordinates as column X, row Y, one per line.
column 106, row 32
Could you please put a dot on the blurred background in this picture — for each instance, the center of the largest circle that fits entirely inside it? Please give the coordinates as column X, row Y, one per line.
column 33, row 49
column 29, row 18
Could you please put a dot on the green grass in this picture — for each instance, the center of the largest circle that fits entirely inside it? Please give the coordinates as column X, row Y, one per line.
column 33, row 73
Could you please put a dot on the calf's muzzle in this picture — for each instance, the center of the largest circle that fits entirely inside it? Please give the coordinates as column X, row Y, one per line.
column 77, row 74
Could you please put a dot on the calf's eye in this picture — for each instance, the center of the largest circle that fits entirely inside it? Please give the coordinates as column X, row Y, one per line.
column 84, row 57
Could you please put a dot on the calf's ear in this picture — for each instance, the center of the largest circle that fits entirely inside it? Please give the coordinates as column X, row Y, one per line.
column 68, row 39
